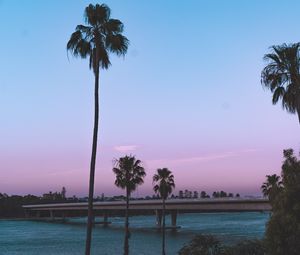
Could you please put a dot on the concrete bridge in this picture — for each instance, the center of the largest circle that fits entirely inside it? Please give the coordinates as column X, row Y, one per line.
column 173, row 207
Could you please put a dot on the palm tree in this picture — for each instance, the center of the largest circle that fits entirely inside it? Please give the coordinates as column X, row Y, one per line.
column 129, row 174
column 100, row 36
column 164, row 185
column 282, row 76
column 272, row 186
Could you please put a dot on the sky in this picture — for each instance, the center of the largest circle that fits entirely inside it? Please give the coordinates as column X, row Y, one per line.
column 187, row 96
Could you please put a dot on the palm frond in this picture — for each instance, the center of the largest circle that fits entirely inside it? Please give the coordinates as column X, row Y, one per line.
column 96, row 14
column 278, row 93
column 282, row 75
column 113, row 26
column 117, row 43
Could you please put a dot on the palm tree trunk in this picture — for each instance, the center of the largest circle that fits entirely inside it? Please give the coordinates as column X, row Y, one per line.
column 163, row 227
column 127, row 233
column 92, row 167
column 298, row 105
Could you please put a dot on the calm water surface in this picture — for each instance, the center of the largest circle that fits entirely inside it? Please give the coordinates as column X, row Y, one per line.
column 40, row 238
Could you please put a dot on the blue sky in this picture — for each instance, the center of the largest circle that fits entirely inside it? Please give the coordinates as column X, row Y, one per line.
column 187, row 95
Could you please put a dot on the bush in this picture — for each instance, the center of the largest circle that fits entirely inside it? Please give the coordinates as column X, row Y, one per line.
column 202, row 245
column 209, row 245
column 247, row 247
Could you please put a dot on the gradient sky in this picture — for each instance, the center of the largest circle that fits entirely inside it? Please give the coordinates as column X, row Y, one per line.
column 187, row 96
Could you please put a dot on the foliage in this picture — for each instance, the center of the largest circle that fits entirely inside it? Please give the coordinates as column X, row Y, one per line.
column 11, row 206
column 129, row 173
column 221, row 194
column 281, row 76
column 98, row 38
column 247, row 247
column 209, row 245
column 272, row 186
column 283, row 229
column 165, row 184
column 203, row 245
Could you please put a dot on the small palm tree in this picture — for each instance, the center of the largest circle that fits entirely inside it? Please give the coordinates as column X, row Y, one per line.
column 164, row 185
column 272, row 186
column 100, row 36
column 282, row 76
column 129, row 174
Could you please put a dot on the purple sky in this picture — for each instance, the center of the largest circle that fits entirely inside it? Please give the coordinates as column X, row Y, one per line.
column 187, row 96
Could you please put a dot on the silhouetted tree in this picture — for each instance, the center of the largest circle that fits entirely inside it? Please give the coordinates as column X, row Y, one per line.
column 180, row 194
column 283, row 228
column 95, row 40
column 223, row 194
column 164, row 185
column 203, row 194
column 272, row 186
column 216, row 194
column 195, row 194
column 129, row 174
column 282, row 77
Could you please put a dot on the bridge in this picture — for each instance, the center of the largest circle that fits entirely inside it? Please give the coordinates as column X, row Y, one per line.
column 173, row 207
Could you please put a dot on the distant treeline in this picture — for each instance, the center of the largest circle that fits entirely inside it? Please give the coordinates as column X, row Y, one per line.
column 195, row 194
column 11, row 206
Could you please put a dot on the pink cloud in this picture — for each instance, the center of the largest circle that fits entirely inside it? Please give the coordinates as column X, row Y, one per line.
column 125, row 148
column 200, row 159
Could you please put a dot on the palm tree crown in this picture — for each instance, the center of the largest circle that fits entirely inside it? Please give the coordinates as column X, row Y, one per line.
column 164, row 180
column 129, row 173
column 282, row 76
column 100, row 36
column 271, row 186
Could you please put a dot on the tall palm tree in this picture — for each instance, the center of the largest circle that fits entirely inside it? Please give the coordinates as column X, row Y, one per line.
column 164, row 185
column 100, row 36
column 282, row 76
column 129, row 174
column 272, row 186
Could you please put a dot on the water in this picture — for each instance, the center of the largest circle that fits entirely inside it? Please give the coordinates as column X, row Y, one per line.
column 41, row 238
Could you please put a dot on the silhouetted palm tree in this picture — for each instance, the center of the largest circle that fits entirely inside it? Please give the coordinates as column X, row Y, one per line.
column 282, row 76
column 129, row 174
column 100, row 36
column 272, row 186
column 164, row 186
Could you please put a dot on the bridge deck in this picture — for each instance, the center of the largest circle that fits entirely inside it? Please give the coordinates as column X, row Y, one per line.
column 193, row 205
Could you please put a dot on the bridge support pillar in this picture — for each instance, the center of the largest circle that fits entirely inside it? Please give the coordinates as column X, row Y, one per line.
column 26, row 213
column 158, row 218
column 174, row 218
column 63, row 216
column 105, row 219
column 38, row 214
column 51, row 215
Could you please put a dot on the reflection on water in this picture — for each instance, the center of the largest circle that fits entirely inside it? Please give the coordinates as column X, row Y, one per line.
column 40, row 238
